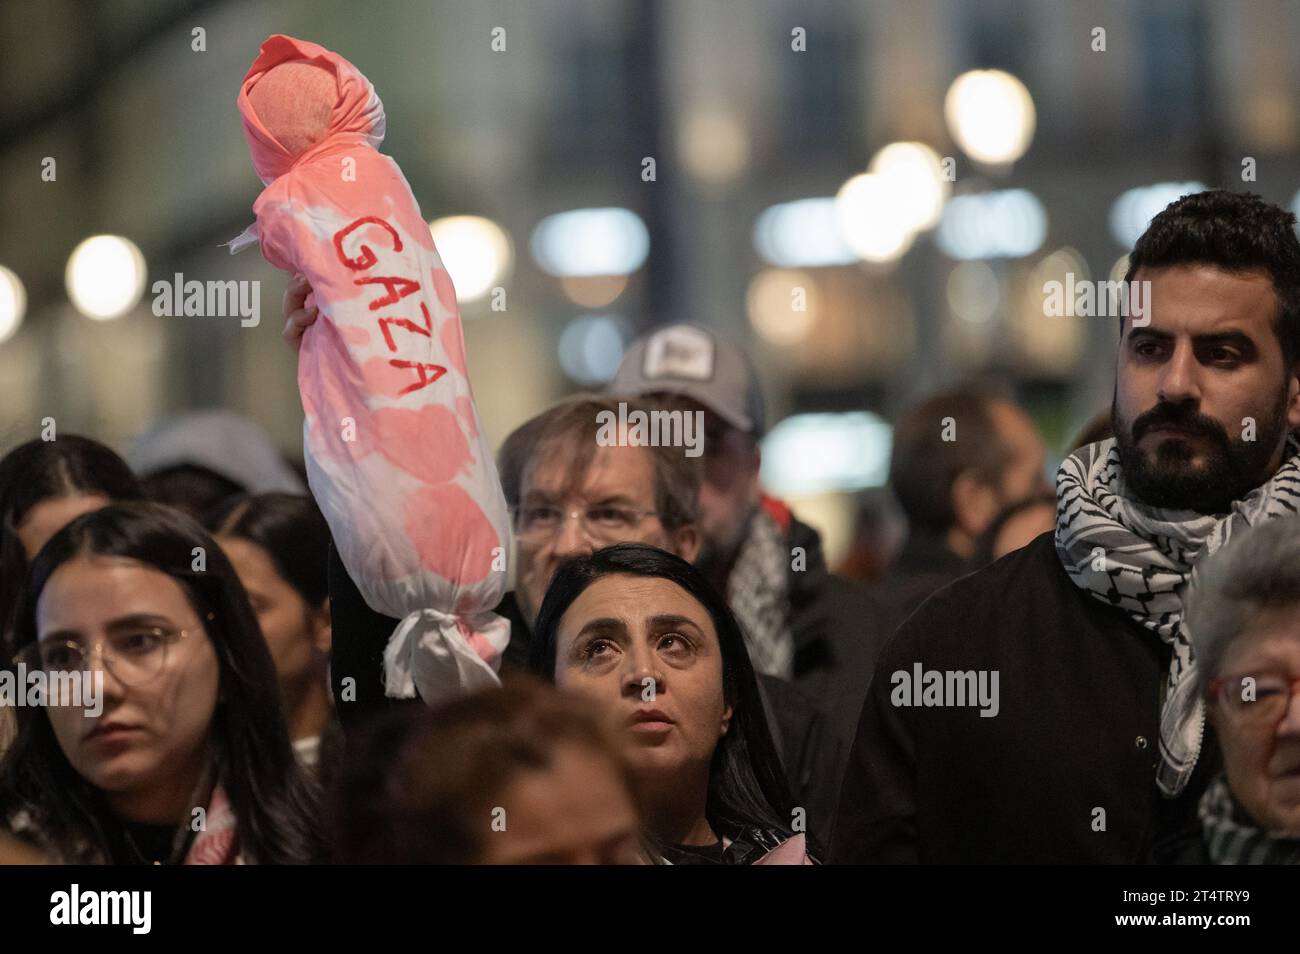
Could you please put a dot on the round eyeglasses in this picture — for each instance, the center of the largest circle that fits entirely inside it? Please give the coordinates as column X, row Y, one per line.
column 134, row 655
column 1254, row 699
column 605, row 523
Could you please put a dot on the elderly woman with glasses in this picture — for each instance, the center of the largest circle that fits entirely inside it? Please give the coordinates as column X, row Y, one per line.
column 1244, row 622
column 176, row 750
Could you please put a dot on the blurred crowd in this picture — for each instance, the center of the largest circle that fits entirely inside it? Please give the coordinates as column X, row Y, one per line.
column 1000, row 671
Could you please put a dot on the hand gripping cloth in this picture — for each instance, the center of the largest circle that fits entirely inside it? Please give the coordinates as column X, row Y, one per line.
column 395, row 454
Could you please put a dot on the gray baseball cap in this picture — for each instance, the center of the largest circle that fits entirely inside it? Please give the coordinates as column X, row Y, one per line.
column 695, row 363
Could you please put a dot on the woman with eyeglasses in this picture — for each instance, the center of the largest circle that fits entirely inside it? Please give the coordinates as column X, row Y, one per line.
column 1244, row 622
column 642, row 631
column 44, row 485
column 178, row 752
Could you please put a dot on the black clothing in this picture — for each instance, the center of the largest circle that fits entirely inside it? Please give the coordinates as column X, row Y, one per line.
column 839, row 628
column 744, row 848
column 924, row 566
column 137, row 843
column 1182, row 848
column 1077, row 730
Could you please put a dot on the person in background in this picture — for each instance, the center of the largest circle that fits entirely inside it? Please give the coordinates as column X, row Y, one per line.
column 569, row 496
column 959, row 457
column 519, row 775
column 1244, row 619
column 878, row 531
column 279, row 546
column 1016, row 526
column 643, row 632
column 43, row 486
column 187, row 724
column 196, row 460
column 802, row 623
column 1091, row 744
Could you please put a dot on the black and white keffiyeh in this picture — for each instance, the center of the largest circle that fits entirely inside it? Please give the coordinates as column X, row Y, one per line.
column 758, row 594
column 1232, row 838
column 1141, row 559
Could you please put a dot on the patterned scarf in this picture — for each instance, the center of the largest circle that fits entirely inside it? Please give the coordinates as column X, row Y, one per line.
column 1141, row 560
column 757, row 594
column 1232, row 841
column 218, row 842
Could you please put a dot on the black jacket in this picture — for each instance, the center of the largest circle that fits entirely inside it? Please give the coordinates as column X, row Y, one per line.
column 1077, row 730
column 839, row 628
column 809, row 749
column 924, row 566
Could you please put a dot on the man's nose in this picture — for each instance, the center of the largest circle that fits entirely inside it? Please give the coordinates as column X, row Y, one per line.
column 571, row 536
column 1178, row 379
column 1290, row 724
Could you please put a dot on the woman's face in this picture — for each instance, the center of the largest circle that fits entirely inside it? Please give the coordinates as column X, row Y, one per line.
column 650, row 652
column 50, row 516
column 298, row 635
column 150, row 736
column 1261, row 756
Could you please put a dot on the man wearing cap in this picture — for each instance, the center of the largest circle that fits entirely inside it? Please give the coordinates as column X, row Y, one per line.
column 801, row 622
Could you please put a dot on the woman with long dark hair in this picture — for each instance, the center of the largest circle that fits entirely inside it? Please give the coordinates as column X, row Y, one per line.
column 43, row 486
column 279, row 545
column 184, row 756
column 644, row 632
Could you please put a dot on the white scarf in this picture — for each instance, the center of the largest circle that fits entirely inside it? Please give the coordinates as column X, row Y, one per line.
column 1142, row 559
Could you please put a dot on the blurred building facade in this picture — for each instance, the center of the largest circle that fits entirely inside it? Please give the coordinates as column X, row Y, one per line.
column 742, row 105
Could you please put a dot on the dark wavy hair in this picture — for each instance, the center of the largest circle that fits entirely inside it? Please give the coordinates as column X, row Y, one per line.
column 747, row 787
column 419, row 782
column 1234, row 231
column 43, row 470
column 275, row 802
column 290, row 528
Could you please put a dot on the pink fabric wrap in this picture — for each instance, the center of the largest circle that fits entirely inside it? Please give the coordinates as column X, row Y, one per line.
column 393, row 445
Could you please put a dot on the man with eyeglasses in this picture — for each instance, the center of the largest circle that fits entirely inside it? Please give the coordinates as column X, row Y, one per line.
column 570, row 493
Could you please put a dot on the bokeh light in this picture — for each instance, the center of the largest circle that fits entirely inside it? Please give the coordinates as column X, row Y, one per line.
column 916, row 172
column 13, row 303
column 591, row 347
column 105, row 276
column 476, row 252
column 606, row 241
column 874, row 217
column 803, row 233
column 991, row 115
column 783, row 305
column 1007, row 224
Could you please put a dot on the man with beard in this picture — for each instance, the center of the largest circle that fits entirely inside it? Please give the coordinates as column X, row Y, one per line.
column 1095, row 744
